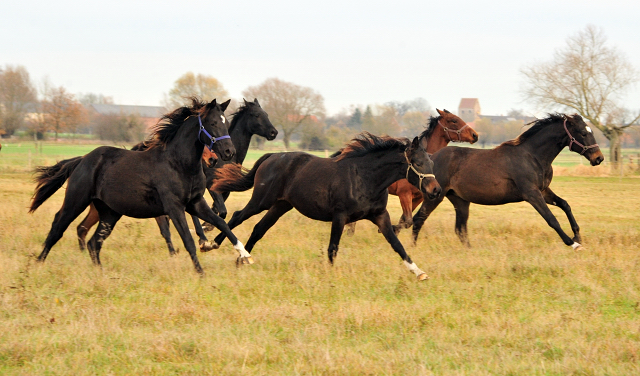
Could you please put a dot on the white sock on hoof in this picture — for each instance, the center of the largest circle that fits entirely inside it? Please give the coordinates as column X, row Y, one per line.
column 414, row 268
column 575, row 245
column 240, row 248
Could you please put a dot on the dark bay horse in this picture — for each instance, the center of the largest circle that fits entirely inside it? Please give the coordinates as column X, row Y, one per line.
column 440, row 131
column 248, row 120
column 340, row 190
column 166, row 179
column 517, row 170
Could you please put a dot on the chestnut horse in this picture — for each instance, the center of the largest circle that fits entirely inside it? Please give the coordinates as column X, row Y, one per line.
column 439, row 132
column 517, row 170
column 347, row 188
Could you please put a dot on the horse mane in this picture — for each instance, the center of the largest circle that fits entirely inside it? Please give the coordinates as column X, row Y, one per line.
column 537, row 126
column 431, row 126
column 238, row 114
column 169, row 124
column 366, row 143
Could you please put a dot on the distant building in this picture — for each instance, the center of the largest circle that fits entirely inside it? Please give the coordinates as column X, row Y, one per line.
column 469, row 109
column 148, row 114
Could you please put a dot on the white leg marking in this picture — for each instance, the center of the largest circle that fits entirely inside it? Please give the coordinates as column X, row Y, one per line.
column 240, row 248
column 575, row 245
column 413, row 268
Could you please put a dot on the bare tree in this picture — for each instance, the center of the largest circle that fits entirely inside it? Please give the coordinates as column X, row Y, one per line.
column 588, row 77
column 289, row 105
column 205, row 87
column 16, row 95
column 62, row 111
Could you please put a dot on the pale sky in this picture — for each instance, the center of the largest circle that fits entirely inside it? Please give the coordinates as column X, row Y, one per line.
column 353, row 53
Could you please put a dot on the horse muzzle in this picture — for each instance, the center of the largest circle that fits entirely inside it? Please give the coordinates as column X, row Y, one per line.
column 596, row 158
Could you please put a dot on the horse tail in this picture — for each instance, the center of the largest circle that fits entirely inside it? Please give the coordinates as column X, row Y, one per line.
column 235, row 178
column 50, row 179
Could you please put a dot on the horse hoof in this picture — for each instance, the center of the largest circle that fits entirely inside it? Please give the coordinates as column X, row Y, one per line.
column 207, row 246
column 579, row 248
column 244, row 261
column 423, row 277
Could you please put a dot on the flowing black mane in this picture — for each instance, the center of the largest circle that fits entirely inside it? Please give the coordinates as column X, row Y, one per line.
column 366, row 142
column 431, row 126
column 169, row 124
column 537, row 126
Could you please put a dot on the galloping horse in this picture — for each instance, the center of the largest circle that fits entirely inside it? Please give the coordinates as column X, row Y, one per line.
column 166, row 179
column 339, row 190
column 248, row 120
column 441, row 130
column 517, row 170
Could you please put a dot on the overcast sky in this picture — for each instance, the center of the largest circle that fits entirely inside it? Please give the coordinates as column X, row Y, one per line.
column 353, row 53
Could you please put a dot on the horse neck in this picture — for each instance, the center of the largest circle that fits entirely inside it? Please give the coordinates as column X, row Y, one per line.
column 383, row 169
column 240, row 137
column 185, row 148
column 435, row 141
column 546, row 144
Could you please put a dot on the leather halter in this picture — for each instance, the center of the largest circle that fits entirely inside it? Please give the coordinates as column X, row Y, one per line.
column 420, row 175
column 211, row 138
column 572, row 140
column 456, row 131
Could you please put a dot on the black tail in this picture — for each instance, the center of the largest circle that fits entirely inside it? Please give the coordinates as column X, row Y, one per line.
column 235, row 178
column 50, row 179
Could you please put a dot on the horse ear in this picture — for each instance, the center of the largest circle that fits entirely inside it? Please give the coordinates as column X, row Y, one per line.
column 440, row 112
column 223, row 106
column 212, row 104
column 245, row 101
column 255, row 100
column 415, row 143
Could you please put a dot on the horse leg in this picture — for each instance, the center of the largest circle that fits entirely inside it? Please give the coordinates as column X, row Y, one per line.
column 462, row 215
column 406, row 201
column 428, row 206
column 163, row 225
column 384, row 224
column 204, row 243
column 176, row 213
column 218, row 208
column 551, row 198
column 108, row 220
column 83, row 228
column 254, row 206
column 337, row 226
column 200, row 208
column 269, row 219
column 72, row 206
column 534, row 197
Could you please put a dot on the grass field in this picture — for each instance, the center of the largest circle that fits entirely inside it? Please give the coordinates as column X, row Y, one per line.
column 519, row 302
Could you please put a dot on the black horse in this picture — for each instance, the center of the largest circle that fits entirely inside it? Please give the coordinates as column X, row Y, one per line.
column 339, row 190
column 248, row 120
column 166, row 179
column 518, row 170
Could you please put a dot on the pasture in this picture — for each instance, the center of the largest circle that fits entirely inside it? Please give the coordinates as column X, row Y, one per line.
column 519, row 302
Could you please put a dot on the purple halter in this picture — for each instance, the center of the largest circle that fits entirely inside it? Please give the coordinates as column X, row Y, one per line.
column 213, row 139
column 572, row 140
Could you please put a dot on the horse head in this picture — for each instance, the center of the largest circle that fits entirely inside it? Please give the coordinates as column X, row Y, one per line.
column 455, row 128
column 582, row 140
column 421, row 168
column 258, row 120
column 214, row 129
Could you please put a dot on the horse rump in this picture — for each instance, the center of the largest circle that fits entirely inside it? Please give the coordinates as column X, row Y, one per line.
column 235, row 178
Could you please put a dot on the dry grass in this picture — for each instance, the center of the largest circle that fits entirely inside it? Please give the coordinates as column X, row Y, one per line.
column 518, row 302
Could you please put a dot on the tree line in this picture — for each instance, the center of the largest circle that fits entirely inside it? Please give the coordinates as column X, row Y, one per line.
column 586, row 76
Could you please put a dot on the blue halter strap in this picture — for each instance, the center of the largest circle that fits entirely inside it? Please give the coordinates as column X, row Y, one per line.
column 213, row 139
